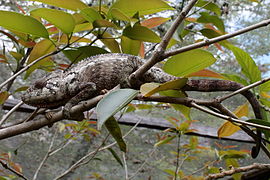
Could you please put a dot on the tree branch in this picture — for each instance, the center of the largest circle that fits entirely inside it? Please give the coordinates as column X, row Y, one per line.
column 39, row 123
column 243, row 89
column 28, row 66
column 238, row 170
column 214, row 40
column 162, row 45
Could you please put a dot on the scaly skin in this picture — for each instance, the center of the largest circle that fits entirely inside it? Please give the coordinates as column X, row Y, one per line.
column 89, row 77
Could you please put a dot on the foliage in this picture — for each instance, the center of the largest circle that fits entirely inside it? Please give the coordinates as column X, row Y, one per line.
column 129, row 27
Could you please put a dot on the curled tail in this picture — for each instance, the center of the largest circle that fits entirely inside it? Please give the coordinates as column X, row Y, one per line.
column 207, row 85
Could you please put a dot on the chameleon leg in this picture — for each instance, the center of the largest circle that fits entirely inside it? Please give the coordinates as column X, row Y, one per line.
column 87, row 91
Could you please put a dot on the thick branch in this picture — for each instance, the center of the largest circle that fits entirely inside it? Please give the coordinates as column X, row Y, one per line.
column 39, row 123
column 238, row 170
column 163, row 44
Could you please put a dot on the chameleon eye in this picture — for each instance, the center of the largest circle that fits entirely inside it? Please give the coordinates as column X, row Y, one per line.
column 39, row 84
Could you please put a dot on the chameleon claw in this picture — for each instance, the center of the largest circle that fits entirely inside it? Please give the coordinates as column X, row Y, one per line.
column 67, row 115
column 48, row 116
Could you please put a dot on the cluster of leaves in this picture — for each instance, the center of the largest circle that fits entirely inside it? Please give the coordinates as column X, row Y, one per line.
column 192, row 151
column 6, row 160
column 122, row 28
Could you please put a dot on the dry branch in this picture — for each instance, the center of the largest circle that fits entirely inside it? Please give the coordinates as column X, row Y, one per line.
column 238, row 170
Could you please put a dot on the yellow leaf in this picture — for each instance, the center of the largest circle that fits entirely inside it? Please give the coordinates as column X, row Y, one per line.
column 227, row 129
column 16, row 55
column 242, row 110
column 149, row 89
column 110, row 42
column 3, row 96
column 264, row 94
column 41, row 48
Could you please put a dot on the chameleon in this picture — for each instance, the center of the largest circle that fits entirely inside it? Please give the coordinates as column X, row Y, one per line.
column 91, row 76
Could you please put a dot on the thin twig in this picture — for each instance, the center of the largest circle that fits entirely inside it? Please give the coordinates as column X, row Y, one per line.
column 61, row 147
column 81, row 161
column 238, row 170
column 143, row 164
column 45, row 157
column 6, row 166
column 163, row 44
column 204, row 167
column 125, row 165
column 234, row 120
column 220, row 99
column 20, row 65
column 6, row 116
column 214, row 40
column 39, row 123
column 28, row 66
column 112, row 144
column 37, row 60
column 177, row 157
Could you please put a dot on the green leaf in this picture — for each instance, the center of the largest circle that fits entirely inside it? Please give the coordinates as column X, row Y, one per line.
column 265, row 87
column 265, row 102
column 259, row 121
column 83, row 27
column 210, row 33
column 114, row 129
column 67, row 4
column 183, row 109
column 236, row 78
column 143, row 7
column 165, row 141
column 21, row 23
column 23, row 88
column 207, row 18
column 142, row 33
column 209, row 6
column 248, row 65
column 60, row 19
column 118, row 14
column 130, row 46
column 103, row 23
column 116, row 156
column 16, row 55
column 83, row 52
column 112, row 103
column 188, row 62
column 90, row 14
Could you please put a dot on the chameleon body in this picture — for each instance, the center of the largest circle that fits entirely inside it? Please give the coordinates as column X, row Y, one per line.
column 87, row 79
column 91, row 76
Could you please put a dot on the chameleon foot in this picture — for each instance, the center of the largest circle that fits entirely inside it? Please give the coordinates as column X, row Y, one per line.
column 79, row 116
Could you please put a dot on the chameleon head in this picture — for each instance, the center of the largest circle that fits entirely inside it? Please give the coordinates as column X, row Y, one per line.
column 47, row 92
